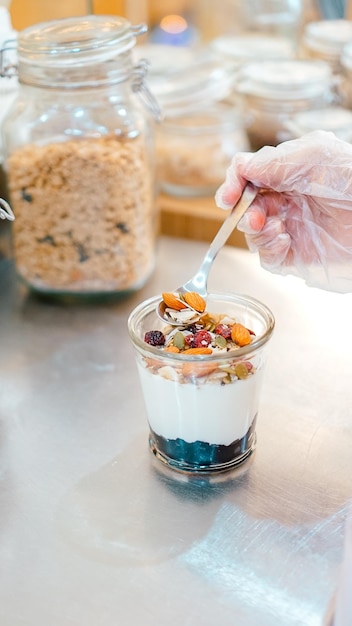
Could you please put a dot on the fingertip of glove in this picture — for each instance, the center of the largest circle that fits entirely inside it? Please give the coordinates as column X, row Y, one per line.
column 252, row 222
column 225, row 198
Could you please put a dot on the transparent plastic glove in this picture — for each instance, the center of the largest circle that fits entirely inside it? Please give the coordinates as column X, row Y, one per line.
column 301, row 222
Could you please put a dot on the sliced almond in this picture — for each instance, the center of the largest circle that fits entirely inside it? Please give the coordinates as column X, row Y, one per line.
column 197, row 370
column 172, row 301
column 197, row 351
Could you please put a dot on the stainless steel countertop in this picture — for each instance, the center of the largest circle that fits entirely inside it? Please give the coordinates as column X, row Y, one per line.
column 93, row 534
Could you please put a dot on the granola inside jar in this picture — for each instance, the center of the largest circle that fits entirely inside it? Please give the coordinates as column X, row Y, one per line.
column 79, row 159
column 195, row 148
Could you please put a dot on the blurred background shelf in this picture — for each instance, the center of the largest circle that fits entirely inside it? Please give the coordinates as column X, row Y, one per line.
column 194, row 218
column 25, row 13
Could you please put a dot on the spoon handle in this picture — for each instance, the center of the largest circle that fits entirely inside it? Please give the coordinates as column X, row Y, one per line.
column 237, row 212
column 231, row 221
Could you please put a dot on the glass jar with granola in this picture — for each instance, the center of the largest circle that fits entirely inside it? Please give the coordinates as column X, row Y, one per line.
column 79, row 159
column 200, row 131
column 195, row 148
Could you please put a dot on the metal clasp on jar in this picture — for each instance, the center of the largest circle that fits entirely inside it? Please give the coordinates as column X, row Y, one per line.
column 8, row 69
column 6, row 211
column 140, row 87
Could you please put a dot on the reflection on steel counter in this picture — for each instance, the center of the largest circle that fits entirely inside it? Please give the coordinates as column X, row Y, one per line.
column 93, row 531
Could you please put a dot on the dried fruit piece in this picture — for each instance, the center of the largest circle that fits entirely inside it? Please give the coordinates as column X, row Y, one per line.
column 240, row 335
column 194, row 300
column 223, row 330
column 202, row 339
column 173, row 302
column 154, row 338
column 173, row 349
column 189, row 340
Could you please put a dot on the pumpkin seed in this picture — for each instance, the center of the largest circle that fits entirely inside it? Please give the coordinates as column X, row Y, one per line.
column 241, row 370
column 179, row 340
column 220, row 341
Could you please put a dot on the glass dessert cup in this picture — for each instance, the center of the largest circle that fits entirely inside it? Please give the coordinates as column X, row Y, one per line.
column 202, row 408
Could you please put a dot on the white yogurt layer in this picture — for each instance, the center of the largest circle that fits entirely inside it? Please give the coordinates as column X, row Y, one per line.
column 214, row 413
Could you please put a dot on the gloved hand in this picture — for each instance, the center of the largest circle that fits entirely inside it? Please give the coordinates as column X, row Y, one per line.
column 301, row 221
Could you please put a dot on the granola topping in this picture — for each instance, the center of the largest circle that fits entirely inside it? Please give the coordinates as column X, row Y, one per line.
column 211, row 334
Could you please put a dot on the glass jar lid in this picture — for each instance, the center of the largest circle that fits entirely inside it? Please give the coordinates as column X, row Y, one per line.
column 346, row 56
column 75, row 40
column 164, row 59
column 283, row 80
column 333, row 118
column 200, row 82
column 252, row 48
column 327, row 36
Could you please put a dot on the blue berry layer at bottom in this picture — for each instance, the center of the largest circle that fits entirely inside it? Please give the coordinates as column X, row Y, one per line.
column 201, row 455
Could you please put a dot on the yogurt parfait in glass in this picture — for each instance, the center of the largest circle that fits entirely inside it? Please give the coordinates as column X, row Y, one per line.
column 201, row 380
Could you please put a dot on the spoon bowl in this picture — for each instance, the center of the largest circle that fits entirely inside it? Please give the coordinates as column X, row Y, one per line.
column 198, row 283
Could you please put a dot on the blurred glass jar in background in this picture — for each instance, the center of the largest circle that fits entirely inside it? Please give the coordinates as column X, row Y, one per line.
column 271, row 18
column 79, row 159
column 324, row 40
column 345, row 86
column 8, row 84
column 274, row 92
column 237, row 51
column 242, row 49
column 199, row 133
column 194, row 149
column 335, row 119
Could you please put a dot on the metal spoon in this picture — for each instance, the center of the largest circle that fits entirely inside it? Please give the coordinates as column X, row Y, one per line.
column 198, row 283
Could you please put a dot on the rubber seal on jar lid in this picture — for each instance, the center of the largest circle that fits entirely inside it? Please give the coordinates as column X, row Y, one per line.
column 285, row 80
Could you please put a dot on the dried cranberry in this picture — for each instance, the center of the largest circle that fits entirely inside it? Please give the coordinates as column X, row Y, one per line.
column 223, row 330
column 154, row 338
column 189, row 340
column 202, row 339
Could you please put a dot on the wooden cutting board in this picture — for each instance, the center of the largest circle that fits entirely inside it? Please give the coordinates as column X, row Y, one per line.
column 194, row 218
